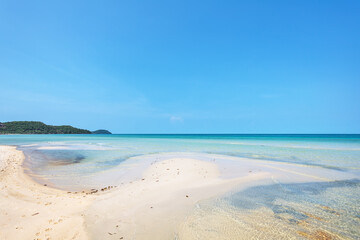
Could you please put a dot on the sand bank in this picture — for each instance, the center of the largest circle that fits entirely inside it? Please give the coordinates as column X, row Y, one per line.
column 154, row 206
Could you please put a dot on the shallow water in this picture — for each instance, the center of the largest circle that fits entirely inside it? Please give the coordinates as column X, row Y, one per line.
column 58, row 159
column 328, row 210
column 315, row 198
column 50, row 156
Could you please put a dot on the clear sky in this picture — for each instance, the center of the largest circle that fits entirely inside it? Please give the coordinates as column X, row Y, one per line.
column 182, row 66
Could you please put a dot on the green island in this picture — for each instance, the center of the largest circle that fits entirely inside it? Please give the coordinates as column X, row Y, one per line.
column 101, row 131
column 35, row 127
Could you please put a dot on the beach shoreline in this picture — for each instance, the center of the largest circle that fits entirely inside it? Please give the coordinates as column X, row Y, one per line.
column 157, row 205
column 30, row 210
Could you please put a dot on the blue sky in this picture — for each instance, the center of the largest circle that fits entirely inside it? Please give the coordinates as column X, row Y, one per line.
column 182, row 66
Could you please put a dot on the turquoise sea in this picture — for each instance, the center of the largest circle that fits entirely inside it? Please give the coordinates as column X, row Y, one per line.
column 333, row 206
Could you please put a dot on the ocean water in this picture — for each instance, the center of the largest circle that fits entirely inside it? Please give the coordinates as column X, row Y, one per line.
column 284, row 209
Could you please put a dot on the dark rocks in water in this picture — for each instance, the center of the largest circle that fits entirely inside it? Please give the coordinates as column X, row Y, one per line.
column 101, row 131
column 79, row 158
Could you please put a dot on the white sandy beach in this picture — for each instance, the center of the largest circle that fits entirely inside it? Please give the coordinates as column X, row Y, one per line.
column 29, row 210
column 153, row 207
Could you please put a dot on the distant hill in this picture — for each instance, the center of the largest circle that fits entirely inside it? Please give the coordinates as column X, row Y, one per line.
column 32, row 127
column 101, row 131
